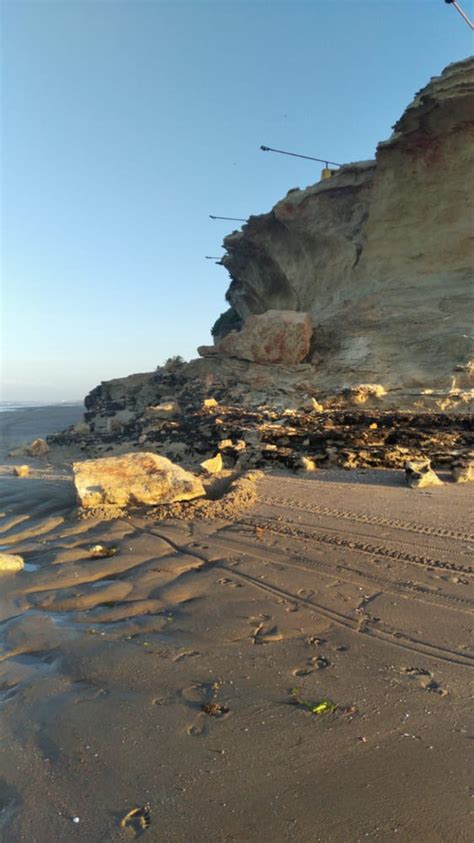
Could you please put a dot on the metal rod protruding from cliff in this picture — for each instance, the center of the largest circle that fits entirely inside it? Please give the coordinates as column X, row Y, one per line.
column 461, row 12
column 236, row 219
column 297, row 155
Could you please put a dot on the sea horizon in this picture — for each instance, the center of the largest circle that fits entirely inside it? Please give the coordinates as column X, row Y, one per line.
column 11, row 406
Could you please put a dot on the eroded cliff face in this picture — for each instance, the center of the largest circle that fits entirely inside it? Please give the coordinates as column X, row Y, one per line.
column 380, row 255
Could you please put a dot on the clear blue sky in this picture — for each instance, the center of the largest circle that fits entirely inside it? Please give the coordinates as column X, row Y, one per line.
column 126, row 123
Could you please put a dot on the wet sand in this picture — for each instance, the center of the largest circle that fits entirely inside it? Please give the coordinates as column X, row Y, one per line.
column 163, row 677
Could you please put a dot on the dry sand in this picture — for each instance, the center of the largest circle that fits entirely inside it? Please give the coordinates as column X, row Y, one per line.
column 344, row 585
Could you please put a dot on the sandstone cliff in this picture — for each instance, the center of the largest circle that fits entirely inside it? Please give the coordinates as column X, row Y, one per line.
column 380, row 255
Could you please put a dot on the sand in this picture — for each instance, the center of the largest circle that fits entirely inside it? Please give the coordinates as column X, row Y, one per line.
column 177, row 675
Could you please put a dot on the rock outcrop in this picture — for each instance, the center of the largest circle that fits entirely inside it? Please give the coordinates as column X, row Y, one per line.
column 380, row 254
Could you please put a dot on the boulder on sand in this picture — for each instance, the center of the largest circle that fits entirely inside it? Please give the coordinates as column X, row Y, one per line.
column 419, row 474
column 38, row 448
column 133, row 480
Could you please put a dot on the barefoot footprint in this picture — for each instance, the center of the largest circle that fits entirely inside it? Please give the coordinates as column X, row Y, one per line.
column 200, row 696
column 315, row 663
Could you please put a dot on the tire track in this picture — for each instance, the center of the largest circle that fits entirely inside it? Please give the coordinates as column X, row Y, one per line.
column 337, row 540
column 352, row 575
column 395, row 638
column 378, row 521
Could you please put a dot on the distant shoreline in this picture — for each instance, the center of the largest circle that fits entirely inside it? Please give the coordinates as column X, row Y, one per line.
column 13, row 406
column 26, row 423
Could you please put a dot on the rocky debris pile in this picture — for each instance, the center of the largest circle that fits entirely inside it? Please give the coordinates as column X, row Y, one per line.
column 301, row 440
column 133, row 480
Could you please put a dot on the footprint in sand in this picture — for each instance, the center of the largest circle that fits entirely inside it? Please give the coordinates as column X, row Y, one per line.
column 264, row 634
column 425, row 678
column 305, row 592
column 7, row 692
column 315, row 663
column 186, row 654
column 200, row 696
column 229, row 582
column 138, row 820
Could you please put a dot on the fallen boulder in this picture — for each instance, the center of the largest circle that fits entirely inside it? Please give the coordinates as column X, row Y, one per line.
column 419, row 474
column 133, row 480
column 463, row 471
column 10, row 563
column 277, row 336
column 38, row 448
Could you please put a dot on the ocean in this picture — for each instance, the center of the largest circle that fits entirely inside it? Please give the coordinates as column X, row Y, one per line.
column 10, row 406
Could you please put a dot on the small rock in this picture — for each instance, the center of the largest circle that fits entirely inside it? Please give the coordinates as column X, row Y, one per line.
column 306, row 464
column 419, row 474
column 213, row 465
column 228, row 444
column 38, row 448
column 21, row 470
column 364, row 391
column 10, row 564
column 462, row 471
column 210, row 403
column 165, row 410
column 224, row 444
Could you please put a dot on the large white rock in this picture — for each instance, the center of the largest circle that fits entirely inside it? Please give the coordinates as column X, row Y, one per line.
column 133, row 480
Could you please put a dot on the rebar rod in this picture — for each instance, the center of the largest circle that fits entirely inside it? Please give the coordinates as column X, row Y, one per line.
column 297, row 155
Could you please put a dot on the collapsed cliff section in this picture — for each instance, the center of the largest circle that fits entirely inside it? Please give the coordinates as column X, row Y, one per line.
column 353, row 303
column 381, row 256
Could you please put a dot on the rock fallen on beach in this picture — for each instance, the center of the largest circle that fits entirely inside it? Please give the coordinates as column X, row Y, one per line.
column 420, row 475
column 10, row 563
column 213, row 465
column 463, row 471
column 133, row 480
column 38, row 448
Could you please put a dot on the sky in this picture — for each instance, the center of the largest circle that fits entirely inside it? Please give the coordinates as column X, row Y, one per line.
column 125, row 123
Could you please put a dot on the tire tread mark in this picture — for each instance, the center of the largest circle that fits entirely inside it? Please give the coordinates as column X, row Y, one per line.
column 336, row 540
column 397, row 639
column 408, row 589
column 380, row 521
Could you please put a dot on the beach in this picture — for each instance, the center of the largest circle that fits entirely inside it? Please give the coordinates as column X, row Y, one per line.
column 299, row 670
